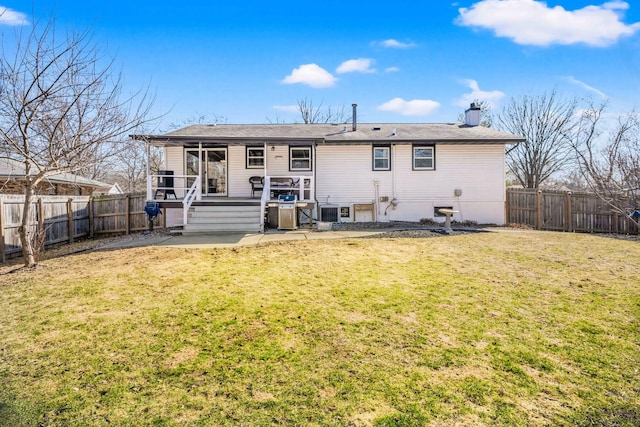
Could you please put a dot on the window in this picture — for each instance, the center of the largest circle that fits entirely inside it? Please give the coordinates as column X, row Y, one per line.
column 300, row 158
column 424, row 158
column 381, row 158
column 255, row 157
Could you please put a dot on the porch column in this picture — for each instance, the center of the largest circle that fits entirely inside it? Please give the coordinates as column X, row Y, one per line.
column 148, row 167
column 199, row 183
column 265, row 158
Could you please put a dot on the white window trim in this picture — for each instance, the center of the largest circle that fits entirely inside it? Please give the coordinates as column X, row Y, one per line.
column 255, row 147
column 310, row 159
column 433, row 157
column 387, row 158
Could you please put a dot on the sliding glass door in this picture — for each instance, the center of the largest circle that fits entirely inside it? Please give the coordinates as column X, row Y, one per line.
column 214, row 168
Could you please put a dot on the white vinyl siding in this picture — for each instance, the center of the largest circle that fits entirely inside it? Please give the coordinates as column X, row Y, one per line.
column 277, row 158
column 174, row 159
column 237, row 173
column 344, row 177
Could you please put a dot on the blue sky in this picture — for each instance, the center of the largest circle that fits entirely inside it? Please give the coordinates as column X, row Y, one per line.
column 400, row 61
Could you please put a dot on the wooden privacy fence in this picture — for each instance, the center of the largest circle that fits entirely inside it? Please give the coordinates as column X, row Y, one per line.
column 565, row 211
column 63, row 219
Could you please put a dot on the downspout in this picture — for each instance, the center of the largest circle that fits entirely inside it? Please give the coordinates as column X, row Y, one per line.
column 376, row 203
column 315, row 179
column 265, row 190
column 394, row 201
column 393, row 174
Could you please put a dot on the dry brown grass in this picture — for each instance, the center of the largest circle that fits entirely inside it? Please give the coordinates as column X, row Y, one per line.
column 514, row 328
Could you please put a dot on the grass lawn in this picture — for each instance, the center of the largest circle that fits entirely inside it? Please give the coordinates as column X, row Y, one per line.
column 511, row 329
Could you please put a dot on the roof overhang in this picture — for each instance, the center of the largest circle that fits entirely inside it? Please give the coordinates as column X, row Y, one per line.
column 190, row 141
column 324, row 134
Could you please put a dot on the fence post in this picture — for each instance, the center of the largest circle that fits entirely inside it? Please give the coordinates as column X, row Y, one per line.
column 70, row 220
column 40, row 227
column 40, row 215
column 3, row 256
column 539, row 218
column 568, row 218
column 127, row 220
column 507, row 209
column 90, row 217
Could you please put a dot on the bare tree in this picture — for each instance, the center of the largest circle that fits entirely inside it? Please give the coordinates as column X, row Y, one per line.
column 547, row 122
column 609, row 158
column 316, row 114
column 61, row 110
column 310, row 113
column 198, row 119
column 128, row 167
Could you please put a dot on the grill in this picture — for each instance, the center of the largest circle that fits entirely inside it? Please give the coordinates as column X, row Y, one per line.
column 287, row 212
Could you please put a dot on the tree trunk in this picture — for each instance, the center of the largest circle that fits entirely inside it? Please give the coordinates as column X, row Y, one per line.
column 26, row 240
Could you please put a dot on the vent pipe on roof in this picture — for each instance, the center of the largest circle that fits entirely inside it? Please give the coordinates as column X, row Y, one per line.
column 472, row 115
column 354, row 117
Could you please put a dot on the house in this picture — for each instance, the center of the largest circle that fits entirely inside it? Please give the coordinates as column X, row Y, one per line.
column 12, row 177
column 108, row 190
column 357, row 172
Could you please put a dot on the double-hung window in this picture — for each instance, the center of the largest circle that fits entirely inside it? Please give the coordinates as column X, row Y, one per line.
column 424, row 157
column 381, row 158
column 300, row 158
column 255, row 157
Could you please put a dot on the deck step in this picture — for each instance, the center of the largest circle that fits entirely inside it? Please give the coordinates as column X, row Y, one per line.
column 223, row 218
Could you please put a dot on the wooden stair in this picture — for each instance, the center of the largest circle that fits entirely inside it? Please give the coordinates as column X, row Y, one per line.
column 223, row 217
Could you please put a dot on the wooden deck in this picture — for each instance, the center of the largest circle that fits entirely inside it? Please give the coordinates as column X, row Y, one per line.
column 210, row 201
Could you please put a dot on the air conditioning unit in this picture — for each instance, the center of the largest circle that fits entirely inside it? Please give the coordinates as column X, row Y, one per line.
column 329, row 214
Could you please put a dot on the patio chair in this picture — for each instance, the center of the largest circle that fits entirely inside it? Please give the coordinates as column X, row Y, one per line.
column 257, row 184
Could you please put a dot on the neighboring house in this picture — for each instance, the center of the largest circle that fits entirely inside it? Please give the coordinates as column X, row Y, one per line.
column 12, row 177
column 356, row 172
column 109, row 190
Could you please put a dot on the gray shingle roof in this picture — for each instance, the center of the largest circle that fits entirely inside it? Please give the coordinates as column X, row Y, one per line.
column 366, row 132
column 10, row 168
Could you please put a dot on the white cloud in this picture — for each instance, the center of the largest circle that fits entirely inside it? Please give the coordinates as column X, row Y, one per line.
column 392, row 69
column 531, row 22
column 287, row 108
column 360, row 65
column 585, row 86
column 311, row 75
column 415, row 107
column 491, row 97
column 395, row 44
column 11, row 17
